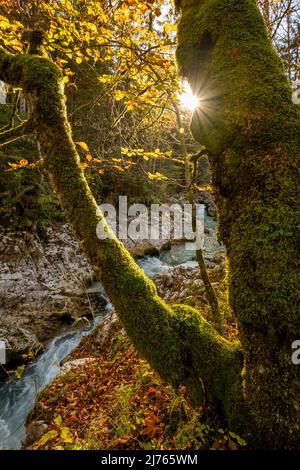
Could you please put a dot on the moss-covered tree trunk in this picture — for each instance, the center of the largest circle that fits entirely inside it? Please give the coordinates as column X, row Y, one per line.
column 251, row 128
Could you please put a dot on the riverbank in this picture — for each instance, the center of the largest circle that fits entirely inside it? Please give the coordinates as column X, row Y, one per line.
column 178, row 281
column 108, row 397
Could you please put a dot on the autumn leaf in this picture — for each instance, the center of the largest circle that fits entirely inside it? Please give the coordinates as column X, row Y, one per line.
column 130, row 105
column 156, row 176
column 119, row 95
column 83, row 145
column 58, row 420
column 20, row 371
column 66, row 435
column 118, row 168
column 167, row 28
column 153, row 427
column 50, row 435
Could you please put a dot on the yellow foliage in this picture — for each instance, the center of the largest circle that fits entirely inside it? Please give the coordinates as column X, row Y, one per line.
column 83, row 145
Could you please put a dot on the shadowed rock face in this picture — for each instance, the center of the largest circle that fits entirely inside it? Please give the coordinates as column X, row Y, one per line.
column 18, row 340
column 43, row 281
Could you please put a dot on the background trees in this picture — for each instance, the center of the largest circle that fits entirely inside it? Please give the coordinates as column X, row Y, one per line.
column 121, row 83
column 282, row 22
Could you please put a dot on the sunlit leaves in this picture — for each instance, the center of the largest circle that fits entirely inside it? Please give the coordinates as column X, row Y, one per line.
column 83, row 146
column 119, row 95
column 125, row 38
column 23, row 163
column 157, row 153
column 157, row 176
column 58, row 420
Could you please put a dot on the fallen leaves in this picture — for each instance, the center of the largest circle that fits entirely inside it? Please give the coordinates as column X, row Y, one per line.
column 152, row 426
column 118, row 402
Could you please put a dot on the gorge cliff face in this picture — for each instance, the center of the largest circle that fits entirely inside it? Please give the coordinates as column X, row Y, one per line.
column 43, row 280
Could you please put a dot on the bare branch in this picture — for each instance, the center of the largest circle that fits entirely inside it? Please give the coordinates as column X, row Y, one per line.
column 13, row 112
column 14, row 133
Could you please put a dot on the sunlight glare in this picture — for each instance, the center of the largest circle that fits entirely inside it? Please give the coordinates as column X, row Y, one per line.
column 187, row 99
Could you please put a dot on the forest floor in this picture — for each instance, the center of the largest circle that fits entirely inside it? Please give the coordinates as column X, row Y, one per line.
column 114, row 400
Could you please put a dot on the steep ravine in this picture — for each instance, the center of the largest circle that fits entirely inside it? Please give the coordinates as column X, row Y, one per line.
column 59, row 262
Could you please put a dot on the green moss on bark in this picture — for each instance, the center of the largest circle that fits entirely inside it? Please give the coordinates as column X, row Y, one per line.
column 251, row 128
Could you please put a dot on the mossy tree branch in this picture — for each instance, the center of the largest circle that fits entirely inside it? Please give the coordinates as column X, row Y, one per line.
column 176, row 341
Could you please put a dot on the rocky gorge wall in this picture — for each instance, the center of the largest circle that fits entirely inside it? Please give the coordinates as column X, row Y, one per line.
column 43, row 279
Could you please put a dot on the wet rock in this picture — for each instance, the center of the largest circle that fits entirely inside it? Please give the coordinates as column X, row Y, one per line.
column 34, row 431
column 109, row 327
column 184, row 283
column 43, row 282
column 18, row 340
column 70, row 365
column 206, row 197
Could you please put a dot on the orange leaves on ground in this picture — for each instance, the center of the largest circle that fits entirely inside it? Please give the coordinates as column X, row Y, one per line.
column 118, row 402
column 152, row 426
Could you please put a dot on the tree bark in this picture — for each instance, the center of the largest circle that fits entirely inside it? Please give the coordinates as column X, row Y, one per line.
column 251, row 129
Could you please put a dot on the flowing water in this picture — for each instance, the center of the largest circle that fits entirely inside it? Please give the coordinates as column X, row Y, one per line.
column 17, row 397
